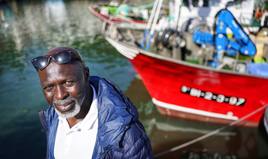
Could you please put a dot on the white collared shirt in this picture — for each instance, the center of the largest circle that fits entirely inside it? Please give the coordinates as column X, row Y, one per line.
column 77, row 142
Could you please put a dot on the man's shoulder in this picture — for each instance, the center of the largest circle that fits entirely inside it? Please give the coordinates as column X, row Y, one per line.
column 102, row 84
column 110, row 98
column 119, row 119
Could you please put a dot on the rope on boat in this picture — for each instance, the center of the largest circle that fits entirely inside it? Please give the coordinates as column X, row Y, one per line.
column 178, row 15
column 209, row 134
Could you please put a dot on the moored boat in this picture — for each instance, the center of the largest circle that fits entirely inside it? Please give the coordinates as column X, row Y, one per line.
column 183, row 83
column 191, row 91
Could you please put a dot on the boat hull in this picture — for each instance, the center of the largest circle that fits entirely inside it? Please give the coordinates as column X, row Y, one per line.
column 192, row 91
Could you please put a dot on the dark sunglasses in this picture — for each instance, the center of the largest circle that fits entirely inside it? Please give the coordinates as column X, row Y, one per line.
column 62, row 57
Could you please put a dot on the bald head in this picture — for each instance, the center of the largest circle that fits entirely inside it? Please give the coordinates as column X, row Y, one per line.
column 74, row 52
column 57, row 50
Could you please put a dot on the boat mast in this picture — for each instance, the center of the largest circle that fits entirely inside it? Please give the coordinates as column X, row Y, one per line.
column 152, row 23
column 178, row 5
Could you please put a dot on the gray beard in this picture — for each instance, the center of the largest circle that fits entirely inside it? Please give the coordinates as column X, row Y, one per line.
column 73, row 112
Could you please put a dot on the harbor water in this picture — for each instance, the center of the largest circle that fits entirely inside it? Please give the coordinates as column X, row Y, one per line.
column 29, row 28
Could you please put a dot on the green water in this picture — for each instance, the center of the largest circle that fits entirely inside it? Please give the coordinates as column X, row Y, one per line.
column 29, row 28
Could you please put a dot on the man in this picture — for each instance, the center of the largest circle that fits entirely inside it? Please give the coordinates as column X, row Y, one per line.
column 88, row 117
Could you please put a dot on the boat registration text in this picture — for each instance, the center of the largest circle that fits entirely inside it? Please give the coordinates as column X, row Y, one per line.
column 220, row 98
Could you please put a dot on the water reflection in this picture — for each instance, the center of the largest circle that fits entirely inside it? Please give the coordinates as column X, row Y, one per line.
column 55, row 12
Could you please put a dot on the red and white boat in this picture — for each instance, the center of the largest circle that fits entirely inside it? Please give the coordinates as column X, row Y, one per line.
column 182, row 89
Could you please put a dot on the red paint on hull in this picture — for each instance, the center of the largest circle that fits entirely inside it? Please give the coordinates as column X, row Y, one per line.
column 164, row 79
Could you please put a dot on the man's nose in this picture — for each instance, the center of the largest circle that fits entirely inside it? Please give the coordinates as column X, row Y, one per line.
column 60, row 93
